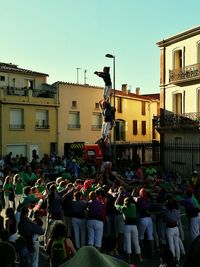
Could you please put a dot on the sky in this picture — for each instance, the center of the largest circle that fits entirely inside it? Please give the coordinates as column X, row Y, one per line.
column 63, row 38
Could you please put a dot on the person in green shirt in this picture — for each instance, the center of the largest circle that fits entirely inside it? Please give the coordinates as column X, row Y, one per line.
column 19, row 189
column 128, row 209
column 29, row 199
column 8, row 188
column 66, row 175
column 30, row 177
column 40, row 185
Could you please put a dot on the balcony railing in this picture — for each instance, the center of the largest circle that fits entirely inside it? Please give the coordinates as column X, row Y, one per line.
column 74, row 126
column 46, row 91
column 37, row 126
column 96, row 127
column 187, row 73
column 16, row 126
column 186, row 120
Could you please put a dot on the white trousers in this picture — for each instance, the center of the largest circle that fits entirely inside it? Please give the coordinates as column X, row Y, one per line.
column 195, row 227
column 18, row 200
column 145, row 224
column 95, row 233
column 131, row 235
column 106, row 93
column 172, row 235
column 105, row 130
column 78, row 226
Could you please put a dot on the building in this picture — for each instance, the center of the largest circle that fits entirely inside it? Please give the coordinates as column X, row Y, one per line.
column 28, row 112
column 179, row 123
column 80, row 119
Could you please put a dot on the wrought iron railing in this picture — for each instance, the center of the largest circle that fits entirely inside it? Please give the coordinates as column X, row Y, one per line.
column 185, row 73
column 178, row 120
column 74, row 126
column 16, row 126
column 96, row 127
column 46, row 91
column 37, row 126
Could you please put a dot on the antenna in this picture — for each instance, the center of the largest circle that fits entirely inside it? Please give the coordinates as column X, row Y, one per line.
column 85, row 76
column 77, row 72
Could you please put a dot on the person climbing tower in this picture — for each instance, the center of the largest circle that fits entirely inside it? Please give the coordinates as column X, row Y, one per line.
column 105, row 75
column 108, row 113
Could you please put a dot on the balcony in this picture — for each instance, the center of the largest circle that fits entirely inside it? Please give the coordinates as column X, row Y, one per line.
column 16, row 126
column 74, row 126
column 96, row 127
column 185, row 74
column 41, row 127
column 46, row 91
column 178, row 121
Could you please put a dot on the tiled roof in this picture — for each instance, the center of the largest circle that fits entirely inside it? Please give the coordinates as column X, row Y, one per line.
column 9, row 67
column 136, row 96
column 153, row 96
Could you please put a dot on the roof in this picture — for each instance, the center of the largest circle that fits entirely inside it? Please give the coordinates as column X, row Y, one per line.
column 152, row 96
column 179, row 37
column 137, row 96
column 9, row 67
column 117, row 92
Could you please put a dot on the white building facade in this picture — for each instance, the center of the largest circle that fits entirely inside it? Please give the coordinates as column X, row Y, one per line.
column 179, row 123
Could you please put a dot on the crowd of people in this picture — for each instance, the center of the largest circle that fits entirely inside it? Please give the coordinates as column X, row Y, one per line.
column 131, row 215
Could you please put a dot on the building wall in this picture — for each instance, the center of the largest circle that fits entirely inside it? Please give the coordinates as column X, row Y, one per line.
column 86, row 97
column 29, row 136
column 190, row 47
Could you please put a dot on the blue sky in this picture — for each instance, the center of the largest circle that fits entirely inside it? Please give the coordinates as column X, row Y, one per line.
column 58, row 36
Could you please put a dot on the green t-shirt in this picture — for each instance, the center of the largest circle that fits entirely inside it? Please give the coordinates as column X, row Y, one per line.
column 66, row 176
column 19, row 187
column 29, row 199
column 7, row 188
column 127, row 211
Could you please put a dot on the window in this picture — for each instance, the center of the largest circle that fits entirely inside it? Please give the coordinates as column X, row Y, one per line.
column 29, row 83
column 134, row 127
column 120, row 130
column 143, row 108
column 2, row 78
column 119, row 104
column 74, row 104
column 178, row 59
column 74, row 120
column 97, row 105
column 96, row 121
column 42, row 119
column 177, row 103
column 198, row 101
column 143, row 127
column 198, row 52
column 16, row 119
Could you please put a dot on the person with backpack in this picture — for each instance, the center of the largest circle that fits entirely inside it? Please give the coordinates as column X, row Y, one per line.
column 59, row 247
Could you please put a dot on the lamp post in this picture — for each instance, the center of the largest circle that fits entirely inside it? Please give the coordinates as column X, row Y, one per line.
column 114, row 130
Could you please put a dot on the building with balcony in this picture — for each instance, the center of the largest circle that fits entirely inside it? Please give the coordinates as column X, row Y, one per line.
column 179, row 120
column 80, row 118
column 28, row 112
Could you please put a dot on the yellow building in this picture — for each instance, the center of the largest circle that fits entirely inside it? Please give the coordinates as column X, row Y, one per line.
column 80, row 117
column 28, row 112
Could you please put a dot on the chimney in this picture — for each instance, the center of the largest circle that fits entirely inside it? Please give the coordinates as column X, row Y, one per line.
column 125, row 88
column 137, row 90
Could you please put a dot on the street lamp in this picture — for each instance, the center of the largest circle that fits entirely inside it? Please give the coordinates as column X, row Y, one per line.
column 114, row 129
